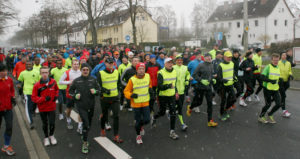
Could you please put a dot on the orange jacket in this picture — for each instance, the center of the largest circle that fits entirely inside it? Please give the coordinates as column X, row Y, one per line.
column 20, row 66
column 128, row 92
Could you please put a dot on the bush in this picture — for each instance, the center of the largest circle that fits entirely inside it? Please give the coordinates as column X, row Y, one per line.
column 282, row 46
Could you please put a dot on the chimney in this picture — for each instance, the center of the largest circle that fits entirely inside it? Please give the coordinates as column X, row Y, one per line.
column 263, row 2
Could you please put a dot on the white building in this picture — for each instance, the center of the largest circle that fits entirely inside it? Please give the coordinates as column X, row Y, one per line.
column 77, row 34
column 297, row 25
column 267, row 18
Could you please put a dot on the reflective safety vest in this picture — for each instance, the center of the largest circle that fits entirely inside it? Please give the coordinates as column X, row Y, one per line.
column 110, row 82
column 169, row 78
column 228, row 73
column 141, row 88
column 274, row 74
column 257, row 62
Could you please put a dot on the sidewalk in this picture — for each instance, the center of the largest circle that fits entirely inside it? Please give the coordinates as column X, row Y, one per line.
column 295, row 85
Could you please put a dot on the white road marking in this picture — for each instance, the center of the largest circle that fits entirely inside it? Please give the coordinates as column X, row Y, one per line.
column 74, row 116
column 108, row 145
column 113, row 149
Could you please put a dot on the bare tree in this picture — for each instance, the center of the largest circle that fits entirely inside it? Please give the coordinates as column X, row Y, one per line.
column 265, row 39
column 93, row 10
column 7, row 12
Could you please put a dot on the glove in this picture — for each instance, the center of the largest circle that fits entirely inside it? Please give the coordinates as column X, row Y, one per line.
column 94, row 90
column 134, row 95
column 54, row 99
column 13, row 101
column 177, row 96
column 77, row 96
column 169, row 85
column 224, row 80
column 106, row 91
column 214, row 81
column 273, row 81
column 205, row 82
column 291, row 77
column 47, row 98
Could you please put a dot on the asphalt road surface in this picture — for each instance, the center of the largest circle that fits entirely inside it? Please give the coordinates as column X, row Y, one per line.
column 240, row 137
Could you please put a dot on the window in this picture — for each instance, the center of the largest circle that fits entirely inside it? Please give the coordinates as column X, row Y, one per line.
column 250, row 35
column 228, row 36
column 275, row 36
column 256, row 23
column 120, row 19
column 238, row 24
column 222, row 25
column 215, row 25
column 229, row 24
column 239, row 36
column 275, row 22
column 253, row 35
column 285, row 23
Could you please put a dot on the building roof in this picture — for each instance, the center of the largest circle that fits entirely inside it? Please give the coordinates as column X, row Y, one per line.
column 79, row 25
column 234, row 11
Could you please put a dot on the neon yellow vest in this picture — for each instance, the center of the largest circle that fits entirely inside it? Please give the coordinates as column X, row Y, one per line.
column 169, row 78
column 141, row 88
column 110, row 82
column 228, row 72
column 257, row 62
column 274, row 74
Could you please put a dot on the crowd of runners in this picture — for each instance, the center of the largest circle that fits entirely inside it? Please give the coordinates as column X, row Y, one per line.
column 53, row 82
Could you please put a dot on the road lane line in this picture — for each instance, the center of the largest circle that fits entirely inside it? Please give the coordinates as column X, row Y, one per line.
column 113, row 149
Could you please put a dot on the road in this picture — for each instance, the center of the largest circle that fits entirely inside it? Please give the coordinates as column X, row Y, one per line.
column 240, row 137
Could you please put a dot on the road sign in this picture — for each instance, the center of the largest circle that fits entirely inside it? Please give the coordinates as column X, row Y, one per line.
column 147, row 48
column 127, row 38
column 247, row 28
column 219, row 36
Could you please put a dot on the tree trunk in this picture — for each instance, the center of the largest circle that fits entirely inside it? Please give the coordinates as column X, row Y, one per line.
column 92, row 22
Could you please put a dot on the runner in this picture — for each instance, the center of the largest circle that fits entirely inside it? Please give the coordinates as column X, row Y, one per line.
column 271, row 78
column 28, row 78
column 226, row 76
column 7, row 100
column 257, row 58
column 139, row 91
column 182, row 85
column 125, row 64
column 286, row 75
column 56, row 73
column 44, row 94
column 204, row 76
column 109, row 80
column 167, row 95
column 83, row 90
column 248, row 67
column 66, row 79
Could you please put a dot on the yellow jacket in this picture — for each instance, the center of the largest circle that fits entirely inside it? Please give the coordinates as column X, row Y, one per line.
column 285, row 70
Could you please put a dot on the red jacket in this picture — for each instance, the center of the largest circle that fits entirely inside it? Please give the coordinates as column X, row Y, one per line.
column 41, row 91
column 20, row 66
column 2, row 57
column 47, row 64
column 152, row 71
column 7, row 91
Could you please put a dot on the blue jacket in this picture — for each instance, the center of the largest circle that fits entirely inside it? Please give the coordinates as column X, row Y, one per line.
column 98, row 68
column 118, row 62
column 161, row 62
column 192, row 67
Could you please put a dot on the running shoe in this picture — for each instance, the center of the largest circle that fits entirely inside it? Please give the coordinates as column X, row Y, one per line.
column 286, row 114
column 196, row 110
column 8, row 150
column 223, row 117
column 271, row 120
column 248, row 99
column 211, row 123
column 227, row 116
column 117, row 139
column 173, row 135
column 214, row 103
column 139, row 139
column 85, row 148
column 242, row 102
column 60, row 116
column 263, row 120
column 153, row 122
column 46, row 142
column 107, row 126
column 184, row 127
column 103, row 133
column 53, row 140
column 79, row 130
column 189, row 111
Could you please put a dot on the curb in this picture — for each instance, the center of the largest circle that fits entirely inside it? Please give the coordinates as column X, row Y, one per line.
column 294, row 89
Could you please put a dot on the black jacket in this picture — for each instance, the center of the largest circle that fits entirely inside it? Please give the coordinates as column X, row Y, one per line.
column 248, row 75
column 204, row 71
column 236, row 62
column 290, row 59
column 93, row 62
column 108, row 99
column 127, row 74
column 82, row 85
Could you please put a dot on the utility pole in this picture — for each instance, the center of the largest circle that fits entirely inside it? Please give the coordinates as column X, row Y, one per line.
column 246, row 25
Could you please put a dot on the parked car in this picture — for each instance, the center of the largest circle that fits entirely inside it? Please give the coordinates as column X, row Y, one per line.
column 237, row 47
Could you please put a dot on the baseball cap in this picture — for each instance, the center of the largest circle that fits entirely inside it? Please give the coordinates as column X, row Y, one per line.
column 109, row 60
column 228, row 54
column 168, row 60
column 140, row 65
